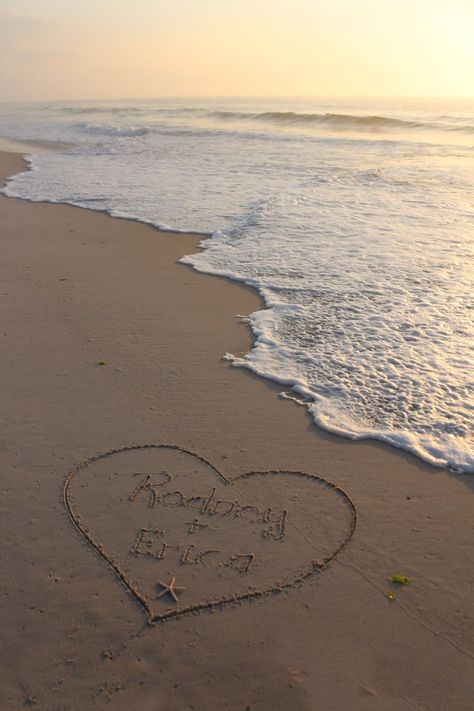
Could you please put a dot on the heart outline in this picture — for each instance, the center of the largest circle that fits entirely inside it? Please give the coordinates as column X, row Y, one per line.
column 134, row 590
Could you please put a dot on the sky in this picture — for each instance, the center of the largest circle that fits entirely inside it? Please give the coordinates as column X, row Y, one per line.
column 99, row 49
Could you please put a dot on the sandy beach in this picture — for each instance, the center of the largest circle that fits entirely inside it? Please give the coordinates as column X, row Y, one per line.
column 282, row 535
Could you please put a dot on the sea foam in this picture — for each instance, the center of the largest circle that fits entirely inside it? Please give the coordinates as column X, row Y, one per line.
column 352, row 220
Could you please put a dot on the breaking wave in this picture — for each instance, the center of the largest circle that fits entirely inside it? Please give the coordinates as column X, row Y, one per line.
column 339, row 121
column 115, row 131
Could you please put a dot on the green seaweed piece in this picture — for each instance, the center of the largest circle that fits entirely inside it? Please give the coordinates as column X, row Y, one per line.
column 400, row 579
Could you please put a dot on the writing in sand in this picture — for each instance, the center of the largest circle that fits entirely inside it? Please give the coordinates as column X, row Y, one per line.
column 156, row 543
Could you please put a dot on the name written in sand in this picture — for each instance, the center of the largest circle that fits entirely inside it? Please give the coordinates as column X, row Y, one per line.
column 182, row 537
column 207, row 510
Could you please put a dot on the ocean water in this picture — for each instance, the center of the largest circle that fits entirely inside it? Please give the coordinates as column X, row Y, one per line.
column 354, row 220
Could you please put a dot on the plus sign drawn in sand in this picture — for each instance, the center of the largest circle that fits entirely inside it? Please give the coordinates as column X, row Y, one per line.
column 181, row 537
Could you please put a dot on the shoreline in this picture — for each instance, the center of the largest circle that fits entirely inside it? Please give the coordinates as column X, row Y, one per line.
column 110, row 342
column 22, row 147
column 398, row 439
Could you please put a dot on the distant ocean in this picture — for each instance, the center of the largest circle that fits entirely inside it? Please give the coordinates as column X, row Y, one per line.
column 354, row 220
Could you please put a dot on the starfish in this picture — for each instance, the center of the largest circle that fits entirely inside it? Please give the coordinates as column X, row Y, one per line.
column 171, row 588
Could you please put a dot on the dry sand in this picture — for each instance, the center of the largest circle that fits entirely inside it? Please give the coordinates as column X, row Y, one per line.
column 80, row 288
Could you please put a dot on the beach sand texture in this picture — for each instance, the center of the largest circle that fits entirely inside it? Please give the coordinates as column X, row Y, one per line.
column 282, row 535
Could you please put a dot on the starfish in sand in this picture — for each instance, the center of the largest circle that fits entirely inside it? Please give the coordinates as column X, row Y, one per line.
column 171, row 588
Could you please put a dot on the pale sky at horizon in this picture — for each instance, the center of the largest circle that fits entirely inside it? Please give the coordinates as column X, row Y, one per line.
column 99, row 49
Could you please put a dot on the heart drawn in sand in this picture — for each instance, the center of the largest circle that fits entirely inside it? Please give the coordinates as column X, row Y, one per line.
column 182, row 537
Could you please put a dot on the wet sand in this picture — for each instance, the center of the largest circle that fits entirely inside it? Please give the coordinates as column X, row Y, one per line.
column 108, row 343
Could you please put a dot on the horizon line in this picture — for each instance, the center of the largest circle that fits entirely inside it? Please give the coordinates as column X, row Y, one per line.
column 319, row 97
